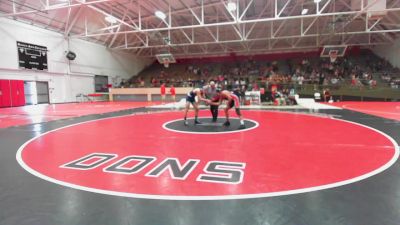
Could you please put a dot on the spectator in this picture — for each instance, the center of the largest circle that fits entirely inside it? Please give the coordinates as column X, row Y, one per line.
column 172, row 92
column 154, row 82
column 162, row 90
column 327, row 95
column 292, row 96
column 141, row 82
column 300, row 80
column 255, row 87
column 122, row 84
column 353, row 80
column 321, row 78
column 372, row 83
column 279, row 98
column 242, row 95
column 255, row 74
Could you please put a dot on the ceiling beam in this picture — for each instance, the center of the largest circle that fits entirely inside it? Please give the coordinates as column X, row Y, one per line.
column 269, row 19
column 70, row 25
column 247, row 8
column 267, row 38
column 54, row 8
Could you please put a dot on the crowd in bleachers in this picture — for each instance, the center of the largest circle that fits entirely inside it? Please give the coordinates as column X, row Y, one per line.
column 393, row 79
column 362, row 71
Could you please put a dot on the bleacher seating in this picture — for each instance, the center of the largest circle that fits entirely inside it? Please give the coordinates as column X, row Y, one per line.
column 302, row 73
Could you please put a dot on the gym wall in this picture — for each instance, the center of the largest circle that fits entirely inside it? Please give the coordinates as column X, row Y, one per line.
column 64, row 81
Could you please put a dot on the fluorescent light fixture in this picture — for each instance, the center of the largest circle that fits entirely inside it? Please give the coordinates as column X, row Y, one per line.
column 317, row 1
column 231, row 6
column 304, row 11
column 160, row 15
column 110, row 19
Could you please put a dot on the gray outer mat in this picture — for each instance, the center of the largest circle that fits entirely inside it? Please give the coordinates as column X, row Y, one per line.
column 28, row 200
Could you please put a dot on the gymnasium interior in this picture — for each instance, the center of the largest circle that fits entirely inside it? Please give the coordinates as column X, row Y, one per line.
column 199, row 112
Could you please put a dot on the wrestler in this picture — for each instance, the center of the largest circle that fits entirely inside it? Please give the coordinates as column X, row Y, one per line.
column 232, row 101
column 191, row 100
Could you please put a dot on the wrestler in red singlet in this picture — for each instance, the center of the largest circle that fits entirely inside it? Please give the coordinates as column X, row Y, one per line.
column 232, row 100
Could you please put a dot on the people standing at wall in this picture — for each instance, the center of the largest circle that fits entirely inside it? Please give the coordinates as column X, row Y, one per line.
column 162, row 90
column 172, row 92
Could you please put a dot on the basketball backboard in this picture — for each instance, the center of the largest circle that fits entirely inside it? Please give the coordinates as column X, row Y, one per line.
column 333, row 51
column 165, row 59
column 329, row 49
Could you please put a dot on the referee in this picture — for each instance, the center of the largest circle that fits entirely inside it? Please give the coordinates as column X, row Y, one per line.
column 210, row 91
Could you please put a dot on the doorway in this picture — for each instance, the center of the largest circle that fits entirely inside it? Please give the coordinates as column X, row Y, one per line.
column 36, row 92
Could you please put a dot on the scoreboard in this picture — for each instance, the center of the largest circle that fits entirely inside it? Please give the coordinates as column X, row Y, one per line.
column 32, row 56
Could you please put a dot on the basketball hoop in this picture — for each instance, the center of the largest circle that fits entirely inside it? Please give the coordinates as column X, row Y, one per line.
column 165, row 59
column 166, row 62
column 333, row 54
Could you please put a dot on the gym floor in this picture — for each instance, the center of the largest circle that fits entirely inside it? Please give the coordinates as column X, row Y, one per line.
column 128, row 163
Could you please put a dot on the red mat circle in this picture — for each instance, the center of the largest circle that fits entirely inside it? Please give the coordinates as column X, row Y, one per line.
column 288, row 153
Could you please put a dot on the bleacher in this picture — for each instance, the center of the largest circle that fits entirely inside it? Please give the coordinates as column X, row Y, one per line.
column 347, row 76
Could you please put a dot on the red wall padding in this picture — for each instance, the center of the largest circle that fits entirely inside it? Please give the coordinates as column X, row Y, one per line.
column 5, row 98
column 21, row 93
column 12, row 93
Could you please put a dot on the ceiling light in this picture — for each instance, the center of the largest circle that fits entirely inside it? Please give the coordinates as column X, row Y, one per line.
column 231, row 6
column 111, row 19
column 317, row 1
column 304, row 11
column 160, row 15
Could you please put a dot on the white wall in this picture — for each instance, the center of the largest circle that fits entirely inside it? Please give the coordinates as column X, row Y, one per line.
column 65, row 81
column 389, row 52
